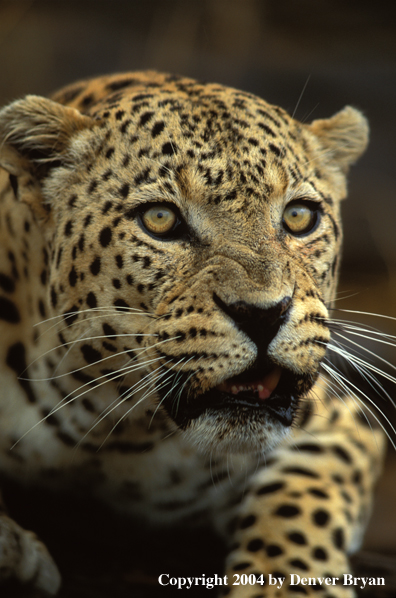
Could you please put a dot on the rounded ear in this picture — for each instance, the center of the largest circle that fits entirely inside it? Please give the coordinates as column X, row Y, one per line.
column 345, row 135
column 35, row 133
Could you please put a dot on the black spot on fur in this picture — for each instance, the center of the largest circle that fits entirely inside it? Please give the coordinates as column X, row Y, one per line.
column 275, row 150
column 357, row 477
column 308, row 448
column 109, row 331
column 143, row 176
column 339, row 538
column 157, row 129
column 9, row 311
column 72, row 201
column 288, row 511
column 124, row 190
column 88, row 405
column 16, row 360
column 299, row 564
column 88, row 220
column 342, row 454
column 300, row 471
column 109, row 346
column 120, row 304
column 105, row 236
column 41, row 308
column 306, row 413
column 297, row 538
column 7, row 284
column 319, row 554
column 95, row 266
column 65, row 438
column 108, row 205
column 71, row 315
column 274, row 550
column 54, row 297
column 90, row 354
column 51, row 420
column 72, row 277
column 318, row 493
column 247, row 521
column 270, row 488
column 145, row 118
column 117, row 85
column 91, row 300
column 169, row 149
column 68, row 228
column 337, row 479
column 92, row 186
column 146, row 261
column 321, row 518
column 124, row 127
column 255, row 545
column 14, row 184
column 87, row 101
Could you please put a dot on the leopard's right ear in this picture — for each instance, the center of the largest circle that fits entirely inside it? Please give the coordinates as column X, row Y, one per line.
column 35, row 134
column 345, row 136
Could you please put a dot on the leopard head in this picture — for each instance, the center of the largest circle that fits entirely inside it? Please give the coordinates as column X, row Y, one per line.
column 194, row 234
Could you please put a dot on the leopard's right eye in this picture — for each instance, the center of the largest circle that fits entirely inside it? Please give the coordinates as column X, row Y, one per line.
column 161, row 221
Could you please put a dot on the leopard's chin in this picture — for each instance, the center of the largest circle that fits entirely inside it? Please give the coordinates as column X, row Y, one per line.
column 235, row 431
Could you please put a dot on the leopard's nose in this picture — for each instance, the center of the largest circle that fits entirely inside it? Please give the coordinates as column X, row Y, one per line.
column 260, row 324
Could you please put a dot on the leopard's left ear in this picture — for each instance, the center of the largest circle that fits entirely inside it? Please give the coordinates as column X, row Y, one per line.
column 345, row 135
column 35, row 133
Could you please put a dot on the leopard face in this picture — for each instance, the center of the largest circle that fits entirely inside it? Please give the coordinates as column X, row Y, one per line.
column 194, row 235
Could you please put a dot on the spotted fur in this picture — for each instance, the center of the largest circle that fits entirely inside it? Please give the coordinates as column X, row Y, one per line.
column 139, row 364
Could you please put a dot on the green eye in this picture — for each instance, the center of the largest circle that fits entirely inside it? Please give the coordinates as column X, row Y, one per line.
column 300, row 218
column 159, row 220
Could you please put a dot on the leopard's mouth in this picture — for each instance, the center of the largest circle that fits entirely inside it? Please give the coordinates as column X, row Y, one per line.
column 269, row 395
column 262, row 388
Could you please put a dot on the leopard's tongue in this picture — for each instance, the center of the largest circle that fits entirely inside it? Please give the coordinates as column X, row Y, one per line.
column 263, row 387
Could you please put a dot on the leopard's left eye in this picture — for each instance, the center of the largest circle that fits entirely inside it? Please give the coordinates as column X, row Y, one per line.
column 301, row 217
column 159, row 220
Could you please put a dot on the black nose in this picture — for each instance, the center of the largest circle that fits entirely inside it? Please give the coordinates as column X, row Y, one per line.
column 261, row 325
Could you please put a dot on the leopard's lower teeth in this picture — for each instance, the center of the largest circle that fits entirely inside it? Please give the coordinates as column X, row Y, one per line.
column 235, row 389
column 263, row 389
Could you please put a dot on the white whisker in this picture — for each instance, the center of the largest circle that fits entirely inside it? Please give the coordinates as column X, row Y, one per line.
column 367, row 313
column 137, row 387
column 300, row 96
column 371, row 366
column 359, row 332
column 152, row 386
column 347, row 385
column 363, row 368
column 96, row 363
column 64, row 402
column 112, row 309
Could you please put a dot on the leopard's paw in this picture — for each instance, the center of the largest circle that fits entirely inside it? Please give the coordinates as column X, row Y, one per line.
column 25, row 558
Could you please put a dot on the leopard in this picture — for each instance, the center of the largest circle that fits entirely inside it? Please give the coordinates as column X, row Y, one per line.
column 170, row 253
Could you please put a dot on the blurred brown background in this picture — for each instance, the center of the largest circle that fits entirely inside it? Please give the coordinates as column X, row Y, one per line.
column 336, row 52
